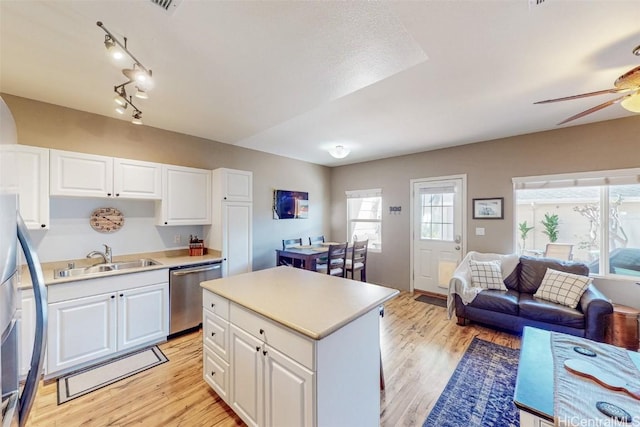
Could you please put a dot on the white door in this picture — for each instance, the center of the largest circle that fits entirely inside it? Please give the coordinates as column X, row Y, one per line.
column 246, row 369
column 142, row 315
column 80, row 330
column 289, row 389
column 438, row 231
column 237, row 246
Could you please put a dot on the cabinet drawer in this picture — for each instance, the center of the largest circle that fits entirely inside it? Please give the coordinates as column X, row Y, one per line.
column 216, row 334
column 216, row 304
column 292, row 344
column 216, row 373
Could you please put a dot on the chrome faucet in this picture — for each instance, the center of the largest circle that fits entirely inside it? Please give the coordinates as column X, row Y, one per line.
column 106, row 255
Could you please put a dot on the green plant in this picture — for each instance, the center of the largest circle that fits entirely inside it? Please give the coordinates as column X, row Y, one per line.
column 524, row 230
column 550, row 224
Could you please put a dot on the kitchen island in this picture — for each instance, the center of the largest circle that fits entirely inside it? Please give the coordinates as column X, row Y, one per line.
column 290, row 347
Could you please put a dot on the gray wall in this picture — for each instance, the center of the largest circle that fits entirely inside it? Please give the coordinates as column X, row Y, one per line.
column 489, row 167
column 51, row 126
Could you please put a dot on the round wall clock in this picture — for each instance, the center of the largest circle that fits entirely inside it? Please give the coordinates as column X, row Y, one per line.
column 106, row 220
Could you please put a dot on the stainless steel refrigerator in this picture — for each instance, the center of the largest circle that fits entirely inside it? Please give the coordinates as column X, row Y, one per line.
column 16, row 400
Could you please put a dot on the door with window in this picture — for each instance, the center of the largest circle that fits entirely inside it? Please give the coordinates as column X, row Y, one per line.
column 437, row 230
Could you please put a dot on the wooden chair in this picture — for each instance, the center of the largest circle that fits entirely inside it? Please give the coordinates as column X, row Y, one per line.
column 336, row 261
column 287, row 244
column 561, row 251
column 316, row 240
column 358, row 260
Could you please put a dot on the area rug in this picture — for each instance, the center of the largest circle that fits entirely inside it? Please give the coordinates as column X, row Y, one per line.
column 480, row 391
column 82, row 382
column 440, row 302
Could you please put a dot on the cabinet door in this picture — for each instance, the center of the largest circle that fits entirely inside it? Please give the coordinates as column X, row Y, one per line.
column 79, row 174
column 288, row 391
column 27, row 331
column 246, row 371
column 80, row 331
column 33, row 185
column 216, row 373
column 237, row 244
column 134, row 179
column 142, row 315
column 186, row 196
column 237, row 185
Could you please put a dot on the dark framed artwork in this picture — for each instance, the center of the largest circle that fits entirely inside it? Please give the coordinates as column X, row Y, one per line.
column 490, row 208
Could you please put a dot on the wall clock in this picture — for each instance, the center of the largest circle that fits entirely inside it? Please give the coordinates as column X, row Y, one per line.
column 106, row 220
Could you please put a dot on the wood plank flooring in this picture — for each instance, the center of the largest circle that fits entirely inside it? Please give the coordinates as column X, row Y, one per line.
column 420, row 350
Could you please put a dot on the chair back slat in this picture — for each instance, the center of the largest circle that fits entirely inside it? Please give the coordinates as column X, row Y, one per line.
column 290, row 243
column 336, row 260
column 358, row 261
column 316, row 240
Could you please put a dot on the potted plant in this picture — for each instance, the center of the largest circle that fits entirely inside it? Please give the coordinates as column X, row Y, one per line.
column 524, row 231
column 550, row 224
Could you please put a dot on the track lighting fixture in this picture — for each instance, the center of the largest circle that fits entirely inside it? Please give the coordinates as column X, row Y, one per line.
column 138, row 74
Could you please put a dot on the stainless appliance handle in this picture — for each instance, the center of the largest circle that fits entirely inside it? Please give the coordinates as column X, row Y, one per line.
column 40, row 294
column 195, row 270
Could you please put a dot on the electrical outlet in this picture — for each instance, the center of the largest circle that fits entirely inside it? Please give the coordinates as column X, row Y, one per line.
column 176, row 238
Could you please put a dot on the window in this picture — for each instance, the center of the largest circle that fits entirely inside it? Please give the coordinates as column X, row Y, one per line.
column 364, row 217
column 596, row 214
column 437, row 213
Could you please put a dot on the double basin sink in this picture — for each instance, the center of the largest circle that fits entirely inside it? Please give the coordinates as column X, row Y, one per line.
column 103, row 268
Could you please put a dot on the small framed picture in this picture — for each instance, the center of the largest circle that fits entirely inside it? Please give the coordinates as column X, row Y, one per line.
column 492, row 208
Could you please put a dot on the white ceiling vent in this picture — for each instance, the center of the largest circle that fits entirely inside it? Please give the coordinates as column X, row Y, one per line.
column 168, row 5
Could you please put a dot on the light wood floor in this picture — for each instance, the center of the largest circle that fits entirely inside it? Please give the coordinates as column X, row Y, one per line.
column 420, row 350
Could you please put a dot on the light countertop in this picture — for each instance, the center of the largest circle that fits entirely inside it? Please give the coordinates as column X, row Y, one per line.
column 310, row 303
column 166, row 259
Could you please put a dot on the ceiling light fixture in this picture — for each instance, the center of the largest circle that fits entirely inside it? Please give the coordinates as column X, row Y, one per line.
column 632, row 102
column 138, row 73
column 339, row 151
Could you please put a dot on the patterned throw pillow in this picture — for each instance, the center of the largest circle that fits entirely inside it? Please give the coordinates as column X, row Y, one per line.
column 486, row 274
column 562, row 288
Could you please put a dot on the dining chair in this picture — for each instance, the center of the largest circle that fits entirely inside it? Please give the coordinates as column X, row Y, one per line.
column 336, row 261
column 316, row 240
column 562, row 251
column 288, row 244
column 358, row 260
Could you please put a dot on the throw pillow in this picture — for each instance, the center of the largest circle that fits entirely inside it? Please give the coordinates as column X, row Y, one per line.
column 562, row 288
column 486, row 274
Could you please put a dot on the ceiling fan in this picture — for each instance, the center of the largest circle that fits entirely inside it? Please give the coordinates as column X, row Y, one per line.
column 628, row 82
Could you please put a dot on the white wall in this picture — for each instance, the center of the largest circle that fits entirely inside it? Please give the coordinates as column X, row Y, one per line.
column 71, row 237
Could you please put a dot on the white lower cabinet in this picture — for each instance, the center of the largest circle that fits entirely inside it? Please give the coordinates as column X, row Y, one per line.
column 27, row 331
column 91, row 328
column 262, row 384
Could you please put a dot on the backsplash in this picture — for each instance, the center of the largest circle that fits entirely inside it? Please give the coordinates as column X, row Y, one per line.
column 71, row 236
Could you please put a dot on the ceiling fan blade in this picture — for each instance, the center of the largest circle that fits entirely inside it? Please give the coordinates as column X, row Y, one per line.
column 585, row 95
column 592, row 110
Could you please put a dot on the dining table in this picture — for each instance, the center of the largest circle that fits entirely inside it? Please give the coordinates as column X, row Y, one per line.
column 307, row 254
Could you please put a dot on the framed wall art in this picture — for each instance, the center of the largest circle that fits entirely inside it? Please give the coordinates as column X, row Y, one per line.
column 491, row 208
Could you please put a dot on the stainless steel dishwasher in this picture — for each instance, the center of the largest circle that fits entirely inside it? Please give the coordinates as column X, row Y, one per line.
column 185, row 294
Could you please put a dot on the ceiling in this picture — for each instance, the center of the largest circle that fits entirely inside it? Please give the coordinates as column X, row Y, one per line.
column 297, row 78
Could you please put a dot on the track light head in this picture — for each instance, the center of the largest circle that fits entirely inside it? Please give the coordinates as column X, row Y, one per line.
column 137, row 117
column 141, row 94
column 120, row 109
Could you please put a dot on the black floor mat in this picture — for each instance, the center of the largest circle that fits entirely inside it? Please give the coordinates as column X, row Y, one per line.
column 432, row 300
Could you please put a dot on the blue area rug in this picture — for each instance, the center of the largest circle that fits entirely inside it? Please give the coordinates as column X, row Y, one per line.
column 480, row 391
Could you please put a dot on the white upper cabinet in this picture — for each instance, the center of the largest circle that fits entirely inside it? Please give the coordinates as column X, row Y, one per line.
column 234, row 185
column 186, row 196
column 135, row 179
column 33, row 185
column 90, row 175
column 80, row 175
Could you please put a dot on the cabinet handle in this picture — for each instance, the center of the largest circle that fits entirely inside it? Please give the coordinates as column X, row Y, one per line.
column 121, row 295
column 109, row 194
column 258, row 348
column 213, row 333
column 43, row 225
column 165, row 223
column 213, row 305
column 261, row 331
column 117, row 194
column 264, row 352
column 213, row 373
column 113, row 296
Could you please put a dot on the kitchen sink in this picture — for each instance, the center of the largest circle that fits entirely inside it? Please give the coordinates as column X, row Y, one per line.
column 101, row 268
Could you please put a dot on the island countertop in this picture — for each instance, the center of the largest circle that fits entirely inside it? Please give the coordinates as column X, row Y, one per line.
column 310, row 303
